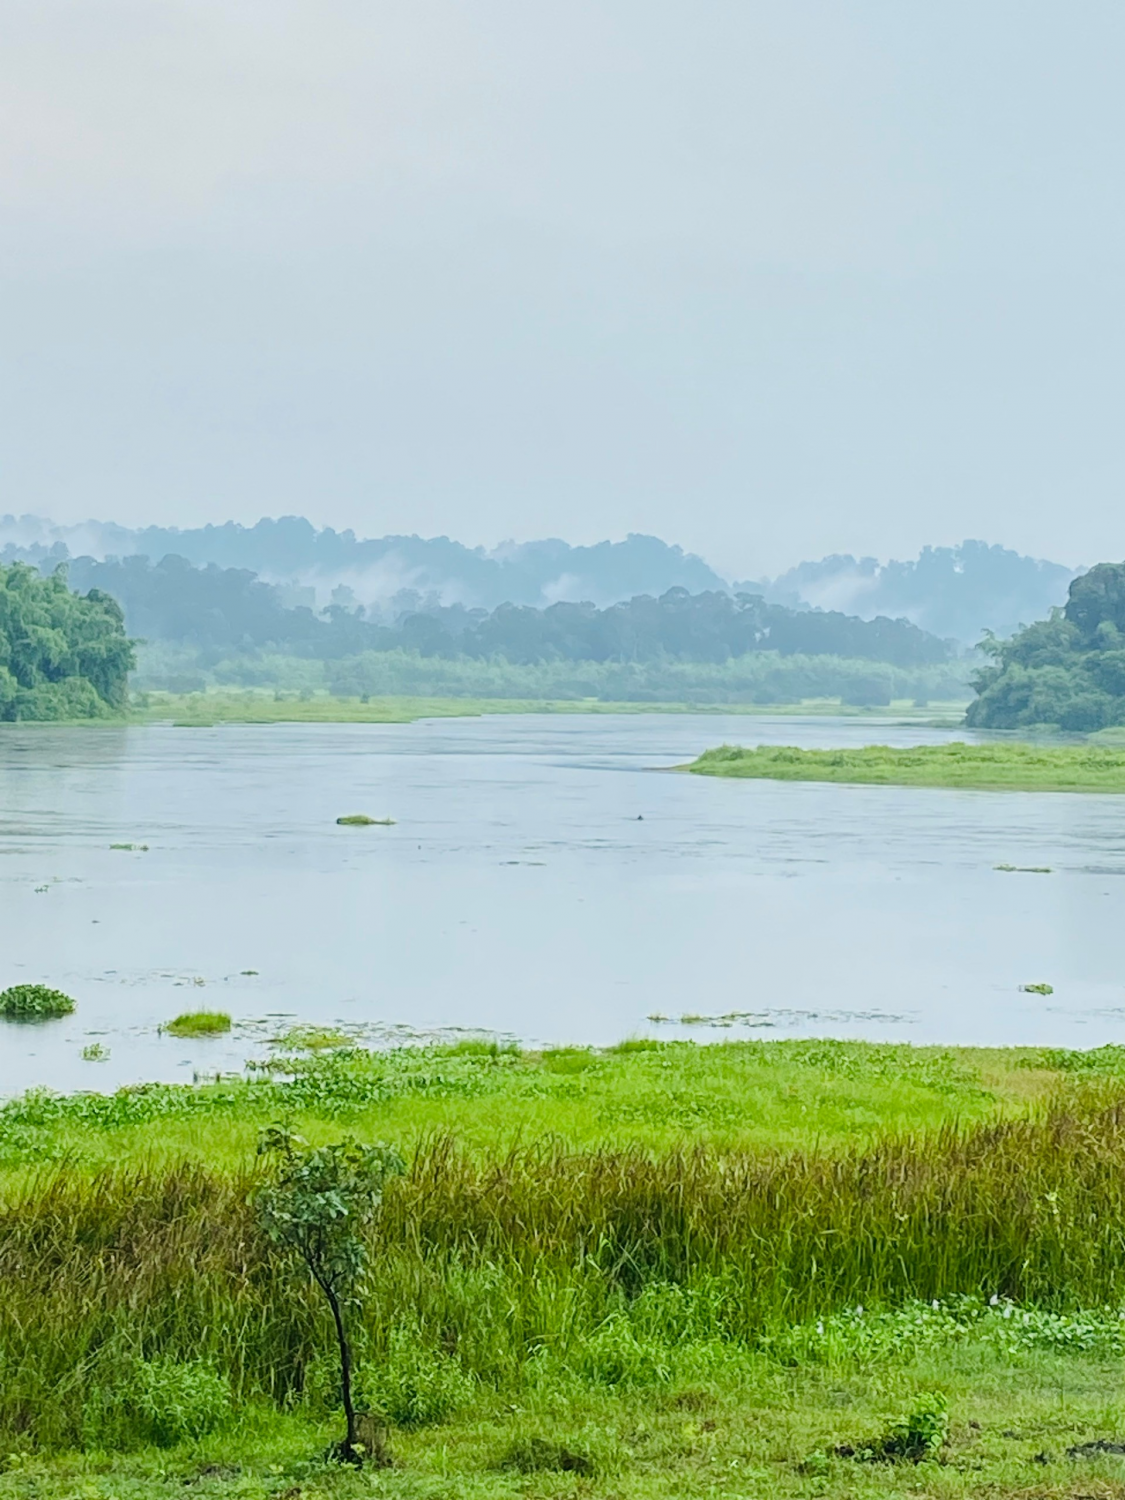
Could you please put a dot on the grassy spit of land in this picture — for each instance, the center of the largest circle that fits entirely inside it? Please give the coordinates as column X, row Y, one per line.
column 991, row 767
column 662, row 1270
column 219, row 706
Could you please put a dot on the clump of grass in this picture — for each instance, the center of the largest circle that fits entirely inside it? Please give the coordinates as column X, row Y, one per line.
column 361, row 820
column 134, row 848
column 539, row 1455
column 919, row 1435
column 95, row 1052
column 1024, row 869
column 1037, row 989
column 199, row 1023
column 34, row 1002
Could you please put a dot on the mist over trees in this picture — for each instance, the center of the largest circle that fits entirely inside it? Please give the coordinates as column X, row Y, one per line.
column 952, row 592
column 229, row 609
column 957, row 592
column 1067, row 670
column 62, row 656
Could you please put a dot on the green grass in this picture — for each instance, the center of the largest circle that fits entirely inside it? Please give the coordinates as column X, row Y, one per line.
column 220, row 706
column 199, row 1023
column 996, row 767
column 658, row 1270
column 646, row 1094
column 361, row 820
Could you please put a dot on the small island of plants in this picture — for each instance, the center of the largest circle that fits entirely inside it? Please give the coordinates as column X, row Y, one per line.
column 990, row 767
column 34, row 1002
column 199, row 1023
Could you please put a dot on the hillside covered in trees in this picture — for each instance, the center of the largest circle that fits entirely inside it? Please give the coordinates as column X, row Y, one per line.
column 62, row 655
column 229, row 609
column 1067, row 670
column 953, row 592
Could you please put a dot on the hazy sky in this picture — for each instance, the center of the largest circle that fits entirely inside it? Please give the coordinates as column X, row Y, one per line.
column 767, row 279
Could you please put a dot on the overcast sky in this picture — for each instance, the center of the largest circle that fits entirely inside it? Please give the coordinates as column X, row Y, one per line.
column 768, row 279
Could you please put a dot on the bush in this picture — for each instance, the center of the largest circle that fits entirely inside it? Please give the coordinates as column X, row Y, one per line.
column 414, row 1386
column 34, row 1002
column 158, row 1401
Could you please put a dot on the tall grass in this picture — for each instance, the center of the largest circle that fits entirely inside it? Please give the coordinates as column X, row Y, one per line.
column 595, row 1265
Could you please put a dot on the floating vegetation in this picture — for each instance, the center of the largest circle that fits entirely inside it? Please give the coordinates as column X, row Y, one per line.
column 765, row 1018
column 131, row 848
column 1024, row 869
column 95, row 1052
column 1037, row 989
column 199, row 1023
column 361, row 820
column 34, row 1002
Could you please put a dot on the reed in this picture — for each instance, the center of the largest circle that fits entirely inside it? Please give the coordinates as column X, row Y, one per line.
column 596, row 1264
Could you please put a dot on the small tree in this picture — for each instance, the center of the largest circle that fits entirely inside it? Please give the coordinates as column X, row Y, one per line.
column 318, row 1206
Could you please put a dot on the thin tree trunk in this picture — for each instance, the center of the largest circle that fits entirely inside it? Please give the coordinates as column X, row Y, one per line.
column 345, row 1375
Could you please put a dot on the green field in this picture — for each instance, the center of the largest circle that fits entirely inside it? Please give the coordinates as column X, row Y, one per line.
column 990, row 767
column 749, row 1269
column 251, row 706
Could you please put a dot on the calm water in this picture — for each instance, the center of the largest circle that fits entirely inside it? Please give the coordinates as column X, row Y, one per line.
column 541, row 880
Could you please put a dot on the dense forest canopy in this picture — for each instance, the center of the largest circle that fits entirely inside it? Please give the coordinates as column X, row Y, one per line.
column 1067, row 670
column 62, row 655
column 956, row 592
column 229, row 609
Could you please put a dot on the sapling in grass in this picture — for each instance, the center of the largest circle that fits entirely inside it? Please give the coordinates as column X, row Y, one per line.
column 318, row 1207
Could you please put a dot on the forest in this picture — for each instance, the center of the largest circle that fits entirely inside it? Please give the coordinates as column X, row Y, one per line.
column 1067, row 670
column 62, row 655
column 229, row 609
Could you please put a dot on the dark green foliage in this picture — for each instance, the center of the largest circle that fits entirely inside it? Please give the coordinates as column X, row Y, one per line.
column 539, row 1455
column 233, row 611
column 1067, row 670
column 34, row 1002
column 62, row 655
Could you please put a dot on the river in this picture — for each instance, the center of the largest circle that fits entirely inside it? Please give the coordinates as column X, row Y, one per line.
column 543, row 879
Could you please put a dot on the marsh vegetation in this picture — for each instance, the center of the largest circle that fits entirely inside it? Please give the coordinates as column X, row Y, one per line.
column 652, row 1271
column 992, row 767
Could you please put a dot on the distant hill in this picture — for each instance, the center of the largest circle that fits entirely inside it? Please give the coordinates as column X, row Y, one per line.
column 391, row 573
column 952, row 592
column 959, row 592
column 228, row 610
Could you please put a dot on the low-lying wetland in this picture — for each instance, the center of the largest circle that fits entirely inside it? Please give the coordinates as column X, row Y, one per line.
column 661, row 1269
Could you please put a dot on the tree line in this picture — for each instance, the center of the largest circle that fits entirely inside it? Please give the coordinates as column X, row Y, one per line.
column 1067, row 670
column 230, row 610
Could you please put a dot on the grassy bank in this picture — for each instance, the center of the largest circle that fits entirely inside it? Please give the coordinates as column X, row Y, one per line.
column 218, row 706
column 722, row 1265
column 994, row 767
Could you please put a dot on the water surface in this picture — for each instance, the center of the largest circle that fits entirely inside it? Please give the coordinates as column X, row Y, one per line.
column 544, row 879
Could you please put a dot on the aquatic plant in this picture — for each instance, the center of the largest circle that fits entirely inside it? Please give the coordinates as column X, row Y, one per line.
column 34, row 1002
column 361, row 820
column 95, row 1052
column 199, row 1023
column 1037, row 989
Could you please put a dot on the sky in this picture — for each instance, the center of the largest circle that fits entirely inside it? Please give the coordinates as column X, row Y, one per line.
column 770, row 280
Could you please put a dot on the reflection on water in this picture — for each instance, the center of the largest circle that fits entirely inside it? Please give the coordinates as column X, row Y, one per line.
column 540, row 880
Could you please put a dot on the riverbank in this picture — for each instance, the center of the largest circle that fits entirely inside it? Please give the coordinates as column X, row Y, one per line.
column 267, row 707
column 987, row 767
column 657, row 1270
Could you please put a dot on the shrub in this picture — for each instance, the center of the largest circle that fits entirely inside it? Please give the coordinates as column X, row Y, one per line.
column 179, row 1400
column 34, row 1002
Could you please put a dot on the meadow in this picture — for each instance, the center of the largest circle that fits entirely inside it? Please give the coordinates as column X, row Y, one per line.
column 259, row 706
column 990, row 767
column 754, row 1268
